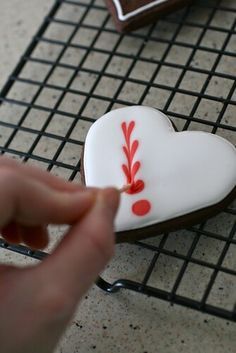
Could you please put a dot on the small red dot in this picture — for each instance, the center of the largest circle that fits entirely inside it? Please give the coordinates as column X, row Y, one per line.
column 141, row 207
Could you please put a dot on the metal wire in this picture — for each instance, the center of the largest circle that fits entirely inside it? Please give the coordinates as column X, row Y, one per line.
column 165, row 34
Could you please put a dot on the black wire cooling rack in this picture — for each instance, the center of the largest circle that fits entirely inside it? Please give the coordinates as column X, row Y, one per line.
column 78, row 67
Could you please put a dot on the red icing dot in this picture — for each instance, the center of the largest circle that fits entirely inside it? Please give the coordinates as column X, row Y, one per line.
column 141, row 207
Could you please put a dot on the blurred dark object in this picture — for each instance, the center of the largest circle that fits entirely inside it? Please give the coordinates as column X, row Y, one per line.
column 132, row 14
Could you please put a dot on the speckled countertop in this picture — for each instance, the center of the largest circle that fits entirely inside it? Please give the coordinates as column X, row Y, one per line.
column 123, row 322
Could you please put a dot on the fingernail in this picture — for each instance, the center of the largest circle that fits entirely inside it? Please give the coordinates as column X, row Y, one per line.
column 108, row 200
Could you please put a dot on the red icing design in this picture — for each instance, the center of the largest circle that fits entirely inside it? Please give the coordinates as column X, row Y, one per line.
column 137, row 186
column 141, row 207
column 131, row 168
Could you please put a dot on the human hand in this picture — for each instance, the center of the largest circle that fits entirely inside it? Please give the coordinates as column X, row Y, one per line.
column 37, row 302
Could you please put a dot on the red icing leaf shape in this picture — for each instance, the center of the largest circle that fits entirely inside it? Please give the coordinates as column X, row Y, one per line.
column 134, row 148
column 136, row 187
column 135, row 170
column 127, row 173
column 126, row 152
column 130, row 128
column 124, row 128
column 128, row 131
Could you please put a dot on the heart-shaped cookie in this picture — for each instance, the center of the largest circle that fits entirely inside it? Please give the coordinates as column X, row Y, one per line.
column 176, row 178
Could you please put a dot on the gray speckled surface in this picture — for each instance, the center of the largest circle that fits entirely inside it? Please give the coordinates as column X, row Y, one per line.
column 127, row 322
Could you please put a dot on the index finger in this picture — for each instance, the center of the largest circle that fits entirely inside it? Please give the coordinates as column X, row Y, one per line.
column 31, row 203
column 85, row 250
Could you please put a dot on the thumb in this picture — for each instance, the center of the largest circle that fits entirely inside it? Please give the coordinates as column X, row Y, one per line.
column 86, row 249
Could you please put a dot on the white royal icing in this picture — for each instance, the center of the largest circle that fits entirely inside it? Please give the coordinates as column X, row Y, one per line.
column 182, row 171
column 124, row 17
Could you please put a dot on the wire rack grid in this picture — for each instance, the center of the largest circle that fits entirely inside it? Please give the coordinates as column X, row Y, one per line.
column 78, row 67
